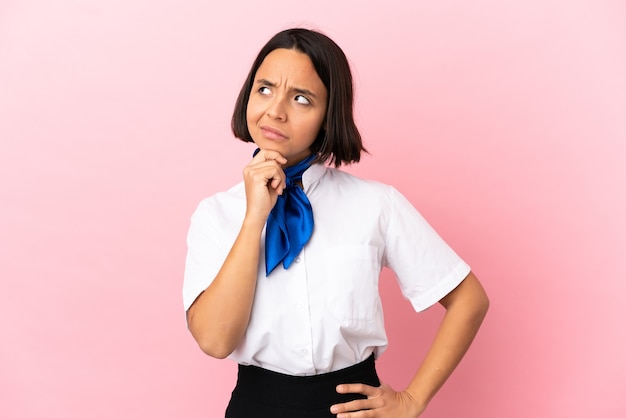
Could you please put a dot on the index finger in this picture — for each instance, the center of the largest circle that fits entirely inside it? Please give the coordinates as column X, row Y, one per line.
column 362, row 388
column 268, row 155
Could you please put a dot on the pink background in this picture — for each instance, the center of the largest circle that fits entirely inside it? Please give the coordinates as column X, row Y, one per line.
column 503, row 122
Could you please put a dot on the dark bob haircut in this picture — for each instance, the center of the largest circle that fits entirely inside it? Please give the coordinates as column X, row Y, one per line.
column 339, row 141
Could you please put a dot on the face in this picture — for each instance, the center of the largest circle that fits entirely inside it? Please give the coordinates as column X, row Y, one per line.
column 287, row 104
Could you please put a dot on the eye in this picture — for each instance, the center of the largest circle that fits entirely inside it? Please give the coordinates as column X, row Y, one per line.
column 264, row 90
column 302, row 100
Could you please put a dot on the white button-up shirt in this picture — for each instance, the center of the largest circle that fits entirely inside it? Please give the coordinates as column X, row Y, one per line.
column 324, row 313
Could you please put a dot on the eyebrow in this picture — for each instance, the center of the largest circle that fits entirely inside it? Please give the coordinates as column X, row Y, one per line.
column 266, row 82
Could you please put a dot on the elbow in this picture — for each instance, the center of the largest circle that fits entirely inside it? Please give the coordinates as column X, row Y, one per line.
column 216, row 346
column 484, row 304
column 215, row 349
column 214, row 343
column 484, row 309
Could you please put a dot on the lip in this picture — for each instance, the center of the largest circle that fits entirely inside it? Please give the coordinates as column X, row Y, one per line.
column 270, row 132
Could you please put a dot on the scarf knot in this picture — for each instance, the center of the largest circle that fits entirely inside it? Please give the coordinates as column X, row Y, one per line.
column 291, row 183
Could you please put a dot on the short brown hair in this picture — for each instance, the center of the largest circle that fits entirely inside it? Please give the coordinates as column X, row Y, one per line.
column 339, row 141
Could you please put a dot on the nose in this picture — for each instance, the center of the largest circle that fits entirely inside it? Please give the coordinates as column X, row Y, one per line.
column 276, row 109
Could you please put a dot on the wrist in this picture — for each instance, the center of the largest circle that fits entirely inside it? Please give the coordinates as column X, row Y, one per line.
column 254, row 222
column 418, row 403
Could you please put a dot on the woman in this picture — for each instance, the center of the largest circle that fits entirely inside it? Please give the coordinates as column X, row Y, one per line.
column 282, row 269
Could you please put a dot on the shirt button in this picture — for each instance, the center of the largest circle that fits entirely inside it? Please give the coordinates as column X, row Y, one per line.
column 297, row 260
column 304, row 351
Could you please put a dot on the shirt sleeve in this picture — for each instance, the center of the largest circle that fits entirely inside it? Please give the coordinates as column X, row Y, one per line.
column 203, row 254
column 426, row 267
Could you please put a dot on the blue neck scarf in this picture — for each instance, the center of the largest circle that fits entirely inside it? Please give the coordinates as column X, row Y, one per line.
column 290, row 223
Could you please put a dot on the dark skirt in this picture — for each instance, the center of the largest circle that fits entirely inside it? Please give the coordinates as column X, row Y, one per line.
column 261, row 393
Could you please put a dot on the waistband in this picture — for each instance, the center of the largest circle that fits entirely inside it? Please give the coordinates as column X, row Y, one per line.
column 318, row 391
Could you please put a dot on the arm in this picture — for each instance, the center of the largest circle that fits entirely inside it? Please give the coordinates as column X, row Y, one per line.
column 218, row 318
column 466, row 307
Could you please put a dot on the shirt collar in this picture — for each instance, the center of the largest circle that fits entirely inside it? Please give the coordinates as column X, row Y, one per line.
column 312, row 175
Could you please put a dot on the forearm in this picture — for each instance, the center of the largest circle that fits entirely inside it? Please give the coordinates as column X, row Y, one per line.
column 466, row 308
column 219, row 316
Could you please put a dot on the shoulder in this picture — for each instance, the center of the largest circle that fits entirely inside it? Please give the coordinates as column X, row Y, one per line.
column 228, row 204
column 353, row 184
column 342, row 191
column 369, row 196
column 223, row 198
